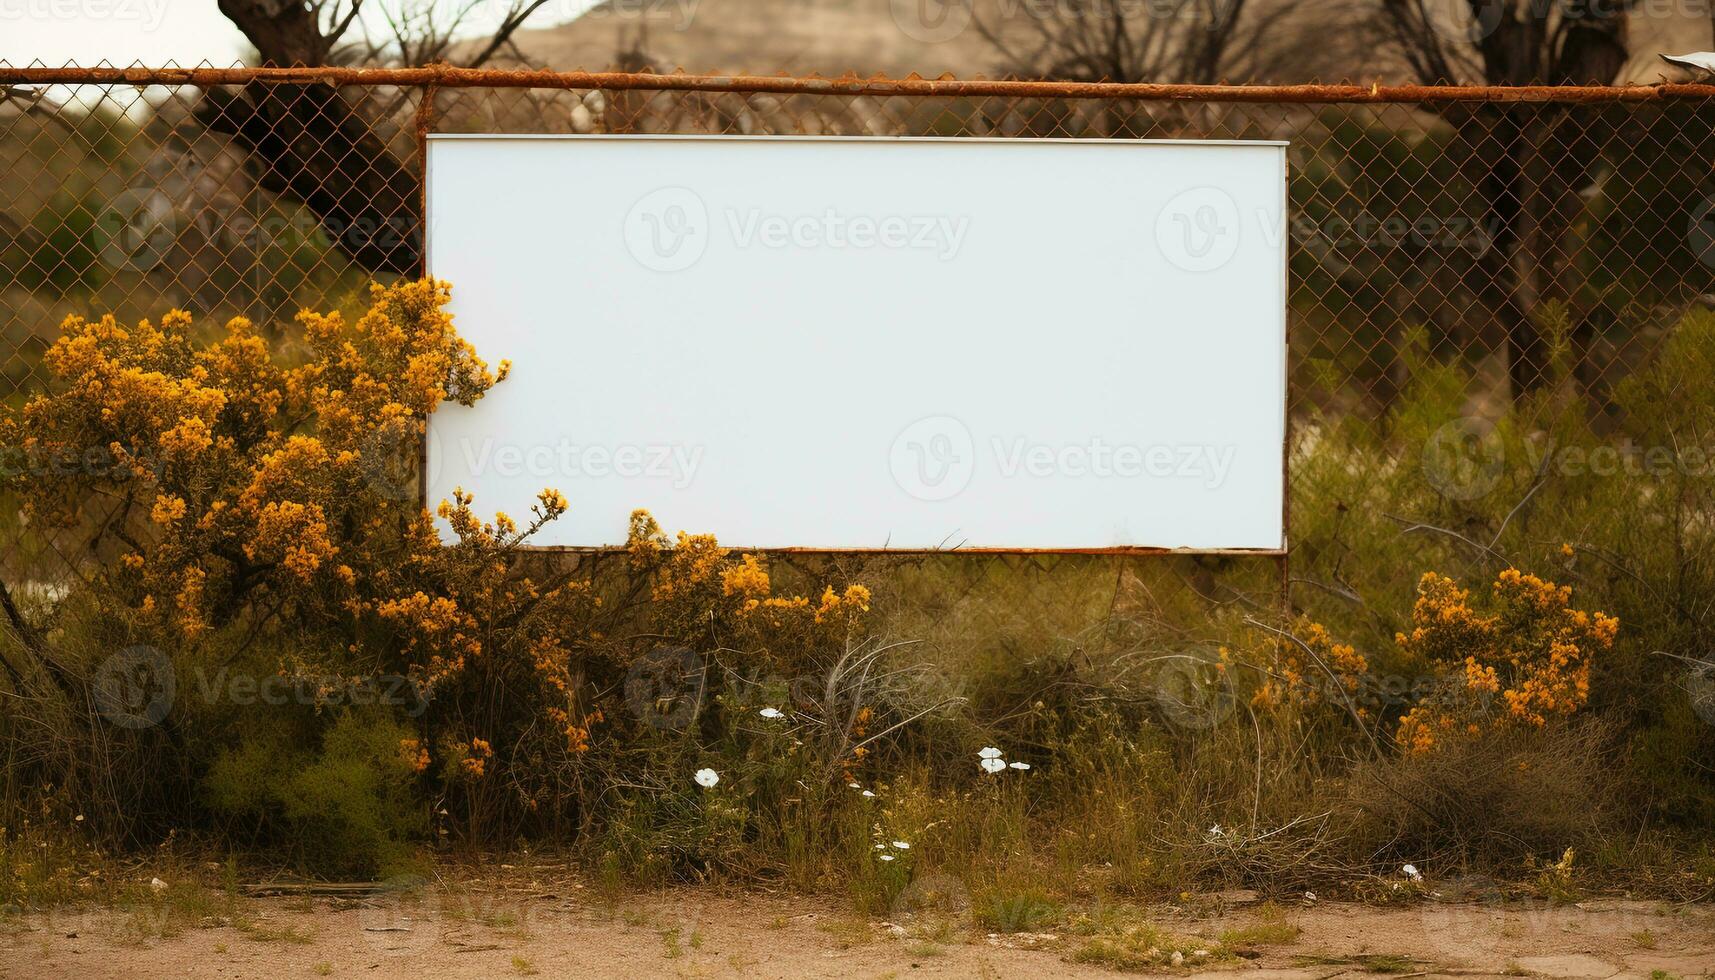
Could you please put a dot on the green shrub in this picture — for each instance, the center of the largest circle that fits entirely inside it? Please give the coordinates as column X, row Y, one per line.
column 345, row 806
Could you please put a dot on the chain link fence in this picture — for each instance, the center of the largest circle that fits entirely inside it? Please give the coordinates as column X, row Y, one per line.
column 1529, row 236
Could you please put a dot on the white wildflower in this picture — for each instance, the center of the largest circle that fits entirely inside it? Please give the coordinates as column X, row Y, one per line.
column 993, row 765
column 887, row 857
column 989, row 753
column 902, row 845
column 707, row 777
column 868, row 793
column 771, row 713
column 1021, row 766
column 1410, row 871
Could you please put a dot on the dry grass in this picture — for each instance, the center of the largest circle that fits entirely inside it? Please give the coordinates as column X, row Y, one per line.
column 1494, row 802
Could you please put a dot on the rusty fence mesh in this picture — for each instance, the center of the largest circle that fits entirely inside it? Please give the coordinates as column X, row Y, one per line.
column 1524, row 239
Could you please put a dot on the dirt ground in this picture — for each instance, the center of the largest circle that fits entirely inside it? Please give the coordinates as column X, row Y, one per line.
column 501, row 927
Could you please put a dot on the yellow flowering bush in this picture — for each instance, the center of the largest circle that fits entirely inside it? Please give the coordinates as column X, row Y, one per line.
column 246, row 503
column 231, row 492
column 1310, row 668
column 1522, row 664
column 222, row 475
column 698, row 577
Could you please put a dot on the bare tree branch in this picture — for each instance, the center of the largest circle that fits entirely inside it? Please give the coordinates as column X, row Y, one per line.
column 509, row 25
column 1198, row 41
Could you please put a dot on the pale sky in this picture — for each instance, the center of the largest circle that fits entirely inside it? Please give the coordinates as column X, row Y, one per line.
column 120, row 31
column 157, row 31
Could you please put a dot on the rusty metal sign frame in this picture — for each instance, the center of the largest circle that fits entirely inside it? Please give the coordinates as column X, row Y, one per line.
column 425, row 132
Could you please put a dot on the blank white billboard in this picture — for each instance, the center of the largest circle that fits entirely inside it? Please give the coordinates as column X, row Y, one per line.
column 856, row 343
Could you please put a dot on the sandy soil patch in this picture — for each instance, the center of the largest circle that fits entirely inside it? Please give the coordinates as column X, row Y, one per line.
column 502, row 928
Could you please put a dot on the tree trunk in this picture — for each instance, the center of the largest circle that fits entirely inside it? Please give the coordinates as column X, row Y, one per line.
column 1496, row 144
column 1526, row 163
column 310, row 144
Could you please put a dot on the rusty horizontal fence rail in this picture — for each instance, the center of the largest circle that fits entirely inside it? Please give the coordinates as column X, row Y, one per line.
column 446, row 76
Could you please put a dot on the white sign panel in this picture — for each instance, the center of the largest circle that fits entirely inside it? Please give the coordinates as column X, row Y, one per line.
column 870, row 343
